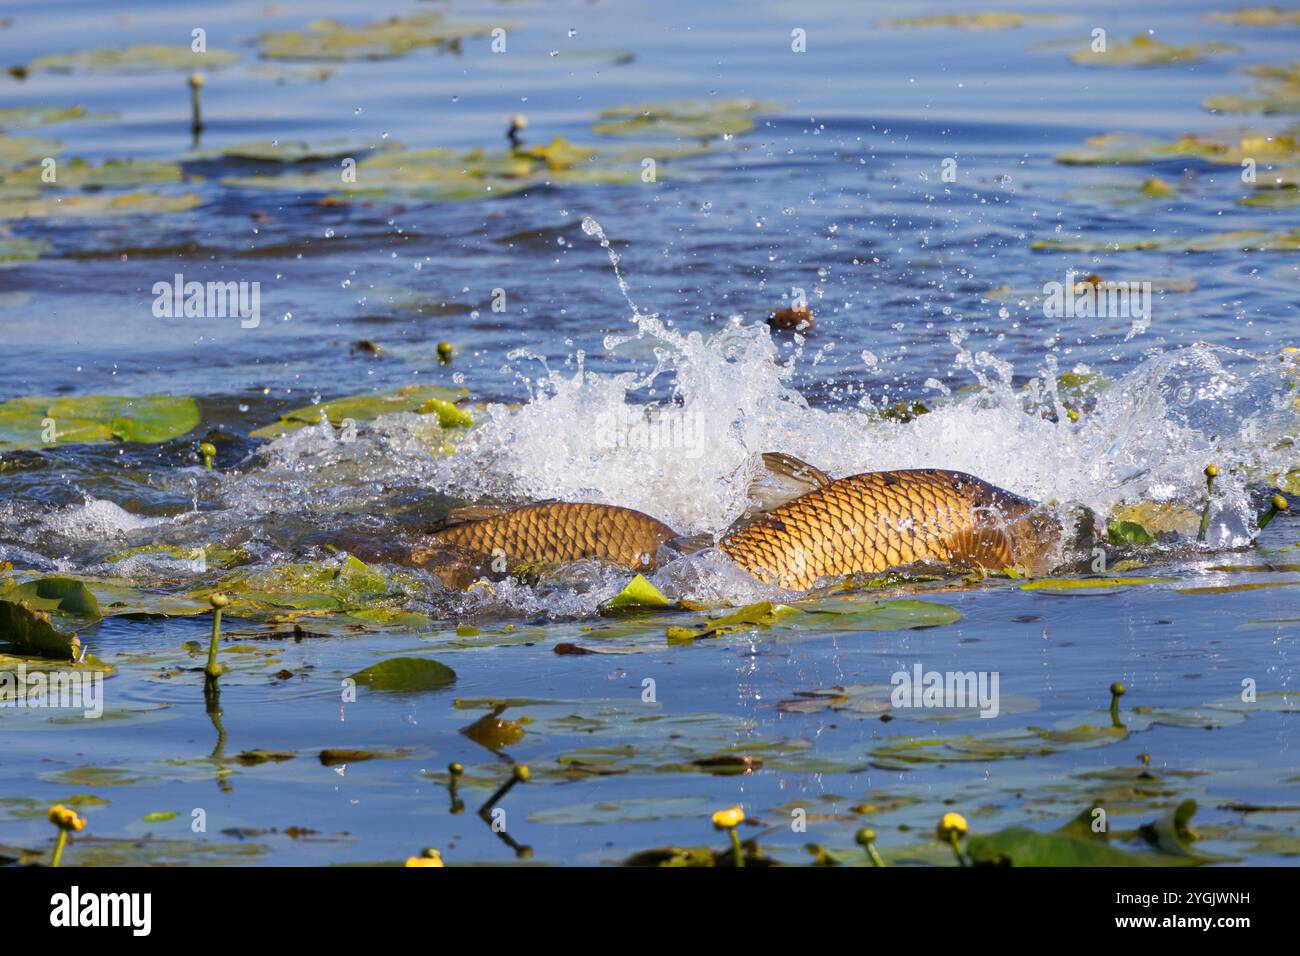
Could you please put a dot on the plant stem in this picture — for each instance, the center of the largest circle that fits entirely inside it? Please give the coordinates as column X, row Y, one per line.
column 60, row 841
column 737, row 851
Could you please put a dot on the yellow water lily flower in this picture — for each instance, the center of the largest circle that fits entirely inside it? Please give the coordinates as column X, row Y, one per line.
column 66, row 819
column 728, row 819
column 427, row 858
column 952, row 824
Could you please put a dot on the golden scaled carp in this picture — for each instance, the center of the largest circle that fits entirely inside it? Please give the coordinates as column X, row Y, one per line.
column 812, row 526
column 805, row 526
column 553, row 532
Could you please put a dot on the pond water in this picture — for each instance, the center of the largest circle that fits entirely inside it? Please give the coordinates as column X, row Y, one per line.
column 905, row 180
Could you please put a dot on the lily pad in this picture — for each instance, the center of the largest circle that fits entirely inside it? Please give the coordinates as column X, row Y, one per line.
column 140, row 58
column 40, row 115
column 1227, row 148
column 406, row 674
column 1142, row 50
column 1089, row 584
column 976, row 21
column 65, row 595
column 685, row 119
column 99, row 206
column 79, row 174
column 30, row 631
column 360, row 408
column 91, row 419
column 14, row 249
column 1257, row 17
column 639, row 594
column 1242, row 240
column 15, row 150
column 378, row 40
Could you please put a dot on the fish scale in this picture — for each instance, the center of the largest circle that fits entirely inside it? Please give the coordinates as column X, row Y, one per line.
column 874, row 521
column 562, row 531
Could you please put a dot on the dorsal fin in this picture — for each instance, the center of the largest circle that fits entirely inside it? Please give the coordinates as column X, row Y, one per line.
column 778, row 478
column 469, row 514
column 781, row 478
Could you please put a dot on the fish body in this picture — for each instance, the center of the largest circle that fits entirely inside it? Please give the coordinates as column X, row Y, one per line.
column 805, row 526
column 880, row 520
column 556, row 532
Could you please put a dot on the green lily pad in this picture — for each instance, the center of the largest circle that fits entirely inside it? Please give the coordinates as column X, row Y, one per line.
column 79, row 174
column 1257, row 17
column 92, row 419
column 289, row 152
column 360, row 408
column 1142, row 50
column 287, row 591
column 98, row 205
column 976, row 21
column 406, row 674
column 140, row 58
column 14, row 249
column 378, row 40
column 1242, row 240
column 65, row 595
column 1128, row 532
column 159, row 816
column 685, row 119
column 1227, row 148
column 15, row 150
column 1089, row 584
column 31, row 632
column 639, row 594
column 42, row 115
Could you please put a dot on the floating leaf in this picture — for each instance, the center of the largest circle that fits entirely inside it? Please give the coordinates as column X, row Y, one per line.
column 638, row 595
column 1088, row 584
column 1226, row 148
column 1127, row 532
column 140, row 58
column 14, row 249
column 15, row 150
column 93, row 419
column 1142, row 50
column 65, row 595
column 378, row 40
column 31, row 632
column 1257, row 17
column 1242, row 240
column 762, row 614
column 359, row 408
column 684, row 119
column 42, row 115
column 98, row 206
column 976, row 21
column 290, row 151
column 406, row 674
column 79, row 174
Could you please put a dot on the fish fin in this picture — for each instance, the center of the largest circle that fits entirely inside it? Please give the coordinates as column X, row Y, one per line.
column 778, row 479
column 469, row 514
column 690, row 543
column 988, row 547
column 783, row 478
